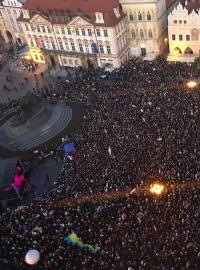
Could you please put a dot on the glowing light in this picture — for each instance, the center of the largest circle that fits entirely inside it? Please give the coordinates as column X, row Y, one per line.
column 192, row 84
column 176, row 51
column 28, row 57
column 157, row 188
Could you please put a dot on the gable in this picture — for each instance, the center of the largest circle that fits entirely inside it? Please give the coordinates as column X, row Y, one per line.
column 78, row 21
column 38, row 19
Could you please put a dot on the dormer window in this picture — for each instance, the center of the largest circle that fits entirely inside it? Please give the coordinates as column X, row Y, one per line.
column 116, row 11
column 99, row 17
column 26, row 14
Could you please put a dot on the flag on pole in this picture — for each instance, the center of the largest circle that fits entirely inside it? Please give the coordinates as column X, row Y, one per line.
column 74, row 240
column 109, row 151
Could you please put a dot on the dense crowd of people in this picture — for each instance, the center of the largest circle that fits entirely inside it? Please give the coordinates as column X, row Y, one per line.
column 141, row 124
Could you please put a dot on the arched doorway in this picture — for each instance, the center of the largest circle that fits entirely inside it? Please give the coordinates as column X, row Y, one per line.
column 53, row 62
column 177, row 50
column 188, row 50
column 143, row 50
column 90, row 63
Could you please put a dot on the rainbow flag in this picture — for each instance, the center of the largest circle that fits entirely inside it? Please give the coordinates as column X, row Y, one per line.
column 73, row 240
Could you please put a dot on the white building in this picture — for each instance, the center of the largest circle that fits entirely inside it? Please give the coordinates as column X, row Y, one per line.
column 146, row 22
column 184, row 31
column 13, row 10
column 75, row 33
column 4, row 26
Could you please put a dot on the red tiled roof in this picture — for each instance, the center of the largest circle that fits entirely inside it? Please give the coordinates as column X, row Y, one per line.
column 73, row 5
column 169, row 3
column 192, row 5
column 82, row 8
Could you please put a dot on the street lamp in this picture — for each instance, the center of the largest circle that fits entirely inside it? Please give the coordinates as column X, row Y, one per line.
column 191, row 84
column 157, row 189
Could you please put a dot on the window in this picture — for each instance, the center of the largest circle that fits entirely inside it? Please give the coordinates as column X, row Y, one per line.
column 150, row 33
column 38, row 28
column 180, row 37
column 48, row 29
column 64, row 61
column 105, row 33
column 41, row 58
column 89, row 32
column 53, row 45
column 73, row 47
column 131, row 17
column 69, row 31
column 77, row 31
column 185, row 22
column 81, row 47
column 62, row 30
column 141, row 34
column 67, row 46
column 133, row 35
column 26, row 26
column 43, row 29
column 173, row 37
column 83, row 32
column 139, row 16
column 98, row 33
column 148, row 17
column 61, row 45
column 36, row 57
column 187, row 37
column 42, row 45
column 175, row 21
column 57, row 30
column 101, row 49
column 31, row 42
column 108, row 49
column 87, row 48
column 180, row 21
column 32, row 28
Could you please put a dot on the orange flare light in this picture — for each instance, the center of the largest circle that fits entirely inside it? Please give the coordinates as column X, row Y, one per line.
column 157, row 189
column 191, row 84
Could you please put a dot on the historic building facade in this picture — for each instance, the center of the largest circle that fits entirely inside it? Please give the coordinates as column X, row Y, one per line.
column 184, row 31
column 75, row 33
column 146, row 22
column 5, row 28
column 12, row 10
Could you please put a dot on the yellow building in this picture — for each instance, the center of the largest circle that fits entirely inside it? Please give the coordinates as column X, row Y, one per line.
column 184, row 32
column 146, row 22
